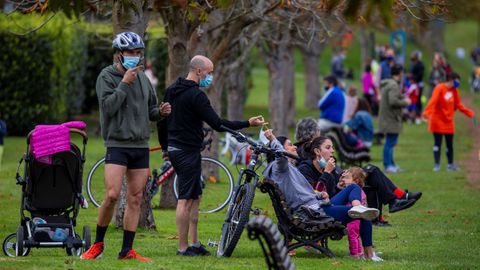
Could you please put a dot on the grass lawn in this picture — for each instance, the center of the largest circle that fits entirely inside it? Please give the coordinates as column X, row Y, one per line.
column 441, row 231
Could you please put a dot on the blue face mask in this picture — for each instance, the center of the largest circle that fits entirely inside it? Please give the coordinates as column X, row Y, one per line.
column 322, row 162
column 207, row 81
column 456, row 83
column 130, row 61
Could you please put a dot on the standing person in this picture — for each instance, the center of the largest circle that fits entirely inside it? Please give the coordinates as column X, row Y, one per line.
column 390, row 116
column 354, row 175
column 417, row 70
column 127, row 104
column 182, row 137
column 337, row 64
column 439, row 112
column 370, row 91
column 386, row 65
column 436, row 76
column 331, row 105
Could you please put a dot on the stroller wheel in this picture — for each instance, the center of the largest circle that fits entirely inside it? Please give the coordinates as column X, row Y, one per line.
column 86, row 238
column 9, row 246
column 19, row 243
column 74, row 251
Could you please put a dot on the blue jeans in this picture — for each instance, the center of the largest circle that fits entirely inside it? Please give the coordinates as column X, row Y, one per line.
column 347, row 195
column 390, row 142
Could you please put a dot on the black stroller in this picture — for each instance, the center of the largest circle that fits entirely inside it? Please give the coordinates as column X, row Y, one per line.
column 52, row 196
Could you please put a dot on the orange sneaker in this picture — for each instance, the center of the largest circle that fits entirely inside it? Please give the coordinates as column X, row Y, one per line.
column 94, row 252
column 131, row 254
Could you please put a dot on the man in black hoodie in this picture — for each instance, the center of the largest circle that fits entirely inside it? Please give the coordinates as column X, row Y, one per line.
column 181, row 134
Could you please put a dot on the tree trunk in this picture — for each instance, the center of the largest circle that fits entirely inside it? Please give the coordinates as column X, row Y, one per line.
column 178, row 31
column 364, row 47
column 277, row 57
column 311, row 64
column 277, row 53
column 288, row 77
column 167, row 196
column 134, row 19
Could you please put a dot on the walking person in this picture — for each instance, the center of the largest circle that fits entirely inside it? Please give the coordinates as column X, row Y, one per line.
column 181, row 134
column 127, row 103
column 390, row 116
column 440, row 112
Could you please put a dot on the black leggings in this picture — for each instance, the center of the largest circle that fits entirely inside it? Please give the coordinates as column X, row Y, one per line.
column 437, row 137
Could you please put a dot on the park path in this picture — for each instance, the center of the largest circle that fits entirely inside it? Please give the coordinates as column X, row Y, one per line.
column 471, row 163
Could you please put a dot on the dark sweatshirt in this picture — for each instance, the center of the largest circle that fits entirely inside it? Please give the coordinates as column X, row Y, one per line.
column 329, row 180
column 183, row 128
column 125, row 109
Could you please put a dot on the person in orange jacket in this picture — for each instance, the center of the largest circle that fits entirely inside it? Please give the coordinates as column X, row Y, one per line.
column 440, row 111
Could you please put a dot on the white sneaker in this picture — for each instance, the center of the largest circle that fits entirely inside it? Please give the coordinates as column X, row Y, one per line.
column 436, row 168
column 375, row 258
column 363, row 212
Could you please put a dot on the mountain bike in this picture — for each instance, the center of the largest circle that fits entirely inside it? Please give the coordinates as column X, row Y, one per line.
column 241, row 201
column 216, row 181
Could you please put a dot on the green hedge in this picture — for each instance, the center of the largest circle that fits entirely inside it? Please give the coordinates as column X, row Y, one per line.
column 49, row 76
column 25, row 83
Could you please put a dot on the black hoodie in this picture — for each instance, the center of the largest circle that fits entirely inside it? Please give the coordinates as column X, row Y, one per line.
column 330, row 180
column 183, row 128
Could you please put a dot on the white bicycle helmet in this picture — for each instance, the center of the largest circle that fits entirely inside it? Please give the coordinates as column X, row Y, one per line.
column 128, row 41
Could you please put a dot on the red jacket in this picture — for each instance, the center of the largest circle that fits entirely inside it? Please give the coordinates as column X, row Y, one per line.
column 441, row 108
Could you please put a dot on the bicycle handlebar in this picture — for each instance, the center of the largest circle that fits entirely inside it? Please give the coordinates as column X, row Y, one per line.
column 257, row 146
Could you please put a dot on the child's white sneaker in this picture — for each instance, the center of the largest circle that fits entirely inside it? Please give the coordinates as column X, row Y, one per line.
column 363, row 212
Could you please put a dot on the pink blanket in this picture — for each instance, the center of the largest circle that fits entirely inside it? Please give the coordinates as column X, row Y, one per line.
column 47, row 140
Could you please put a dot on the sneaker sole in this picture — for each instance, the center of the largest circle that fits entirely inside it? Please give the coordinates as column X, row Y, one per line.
column 408, row 205
column 96, row 258
column 369, row 214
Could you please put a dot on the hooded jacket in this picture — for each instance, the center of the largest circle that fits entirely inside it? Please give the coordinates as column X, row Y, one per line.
column 125, row 109
column 318, row 179
column 391, row 104
column 291, row 182
column 183, row 128
column 441, row 109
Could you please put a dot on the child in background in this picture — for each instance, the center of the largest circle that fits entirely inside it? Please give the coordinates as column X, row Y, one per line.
column 355, row 175
column 412, row 92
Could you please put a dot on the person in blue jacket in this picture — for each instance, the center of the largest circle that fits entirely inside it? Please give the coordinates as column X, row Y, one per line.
column 331, row 105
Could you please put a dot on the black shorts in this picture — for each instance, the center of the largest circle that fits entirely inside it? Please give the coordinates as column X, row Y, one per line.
column 188, row 167
column 132, row 158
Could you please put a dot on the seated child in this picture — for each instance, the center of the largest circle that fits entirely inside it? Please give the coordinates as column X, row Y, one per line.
column 355, row 175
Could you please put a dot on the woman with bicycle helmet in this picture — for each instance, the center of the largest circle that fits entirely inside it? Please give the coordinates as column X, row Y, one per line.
column 127, row 103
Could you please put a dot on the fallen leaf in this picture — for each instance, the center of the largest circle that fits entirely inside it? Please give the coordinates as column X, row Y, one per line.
column 337, row 263
column 172, row 237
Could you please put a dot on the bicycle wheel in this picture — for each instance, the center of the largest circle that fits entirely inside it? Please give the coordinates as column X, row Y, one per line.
column 96, row 182
column 237, row 217
column 217, row 185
